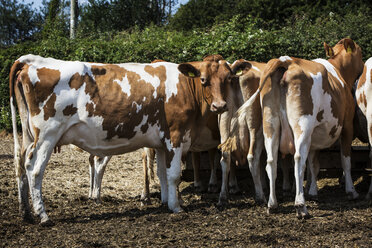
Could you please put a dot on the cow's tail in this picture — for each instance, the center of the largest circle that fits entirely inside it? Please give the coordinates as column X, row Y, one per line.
column 239, row 116
column 17, row 66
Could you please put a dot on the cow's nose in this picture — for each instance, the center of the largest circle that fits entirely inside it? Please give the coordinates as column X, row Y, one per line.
column 219, row 107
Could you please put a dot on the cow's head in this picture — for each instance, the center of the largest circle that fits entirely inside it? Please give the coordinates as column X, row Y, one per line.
column 346, row 55
column 214, row 74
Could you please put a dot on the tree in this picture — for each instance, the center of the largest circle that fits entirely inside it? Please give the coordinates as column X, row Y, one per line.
column 18, row 22
column 73, row 18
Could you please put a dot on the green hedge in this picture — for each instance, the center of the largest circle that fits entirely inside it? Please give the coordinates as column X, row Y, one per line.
column 238, row 38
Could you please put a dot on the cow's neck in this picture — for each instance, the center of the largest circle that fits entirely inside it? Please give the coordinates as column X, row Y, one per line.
column 346, row 68
column 200, row 99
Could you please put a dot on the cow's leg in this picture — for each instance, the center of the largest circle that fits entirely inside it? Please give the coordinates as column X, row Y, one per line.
column 369, row 194
column 145, row 195
column 162, row 174
column 286, row 164
column 91, row 175
column 99, row 169
column 22, row 181
column 313, row 165
column 233, row 182
column 212, row 185
column 369, row 121
column 346, row 140
column 36, row 161
column 174, row 178
column 196, row 166
column 254, row 167
column 302, row 151
column 225, row 168
column 272, row 145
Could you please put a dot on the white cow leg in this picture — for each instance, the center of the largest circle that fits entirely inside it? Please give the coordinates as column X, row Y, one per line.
column 225, row 168
column 300, row 167
column 349, row 185
column 212, row 185
column 100, row 166
column 174, row 179
column 36, row 161
column 162, row 175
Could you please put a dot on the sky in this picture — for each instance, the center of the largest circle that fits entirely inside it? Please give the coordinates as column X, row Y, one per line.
column 37, row 3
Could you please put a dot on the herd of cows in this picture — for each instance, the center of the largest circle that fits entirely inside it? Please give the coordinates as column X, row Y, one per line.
column 289, row 106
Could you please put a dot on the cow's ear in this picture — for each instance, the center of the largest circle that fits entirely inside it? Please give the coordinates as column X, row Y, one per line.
column 240, row 66
column 188, row 70
column 349, row 45
column 328, row 50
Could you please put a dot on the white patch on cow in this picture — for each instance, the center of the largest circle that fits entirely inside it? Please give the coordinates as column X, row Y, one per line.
column 124, row 85
column 143, row 122
column 144, row 99
column 254, row 67
column 145, row 76
column 330, row 68
column 168, row 144
column 32, row 74
column 172, row 81
column 138, row 106
column 284, row 58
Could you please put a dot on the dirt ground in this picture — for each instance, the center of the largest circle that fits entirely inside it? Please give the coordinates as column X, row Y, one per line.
column 121, row 221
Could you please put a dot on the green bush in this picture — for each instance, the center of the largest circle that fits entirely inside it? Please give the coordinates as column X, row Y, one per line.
column 241, row 37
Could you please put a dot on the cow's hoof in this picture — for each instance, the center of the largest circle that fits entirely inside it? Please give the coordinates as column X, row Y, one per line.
column 199, row 189
column 178, row 210
column 222, row 202
column 260, row 201
column 27, row 217
column 301, row 212
column 212, row 188
column 352, row 195
column 234, row 190
column 145, row 201
column 271, row 210
column 313, row 198
column 46, row 222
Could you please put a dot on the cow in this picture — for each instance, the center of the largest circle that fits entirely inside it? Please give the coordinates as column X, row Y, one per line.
column 208, row 140
column 248, row 142
column 109, row 109
column 307, row 106
column 363, row 95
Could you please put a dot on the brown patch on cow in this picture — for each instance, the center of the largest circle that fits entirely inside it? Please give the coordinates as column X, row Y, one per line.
column 76, row 81
column 319, row 116
column 69, row 110
column 144, row 127
column 48, row 80
column 116, row 107
column 333, row 131
column 49, row 110
column 363, row 77
column 362, row 99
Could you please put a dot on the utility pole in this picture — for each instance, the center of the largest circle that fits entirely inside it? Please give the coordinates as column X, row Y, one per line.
column 73, row 18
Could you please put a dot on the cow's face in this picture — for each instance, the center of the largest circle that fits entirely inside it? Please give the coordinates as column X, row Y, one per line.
column 214, row 77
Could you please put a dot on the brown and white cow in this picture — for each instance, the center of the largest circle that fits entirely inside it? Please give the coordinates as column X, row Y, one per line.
column 249, row 138
column 363, row 96
column 307, row 106
column 109, row 109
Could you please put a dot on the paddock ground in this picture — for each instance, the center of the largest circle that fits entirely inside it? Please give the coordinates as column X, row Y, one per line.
column 121, row 221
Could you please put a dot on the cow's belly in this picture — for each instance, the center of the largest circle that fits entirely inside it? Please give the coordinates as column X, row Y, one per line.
column 93, row 140
column 204, row 141
column 322, row 138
